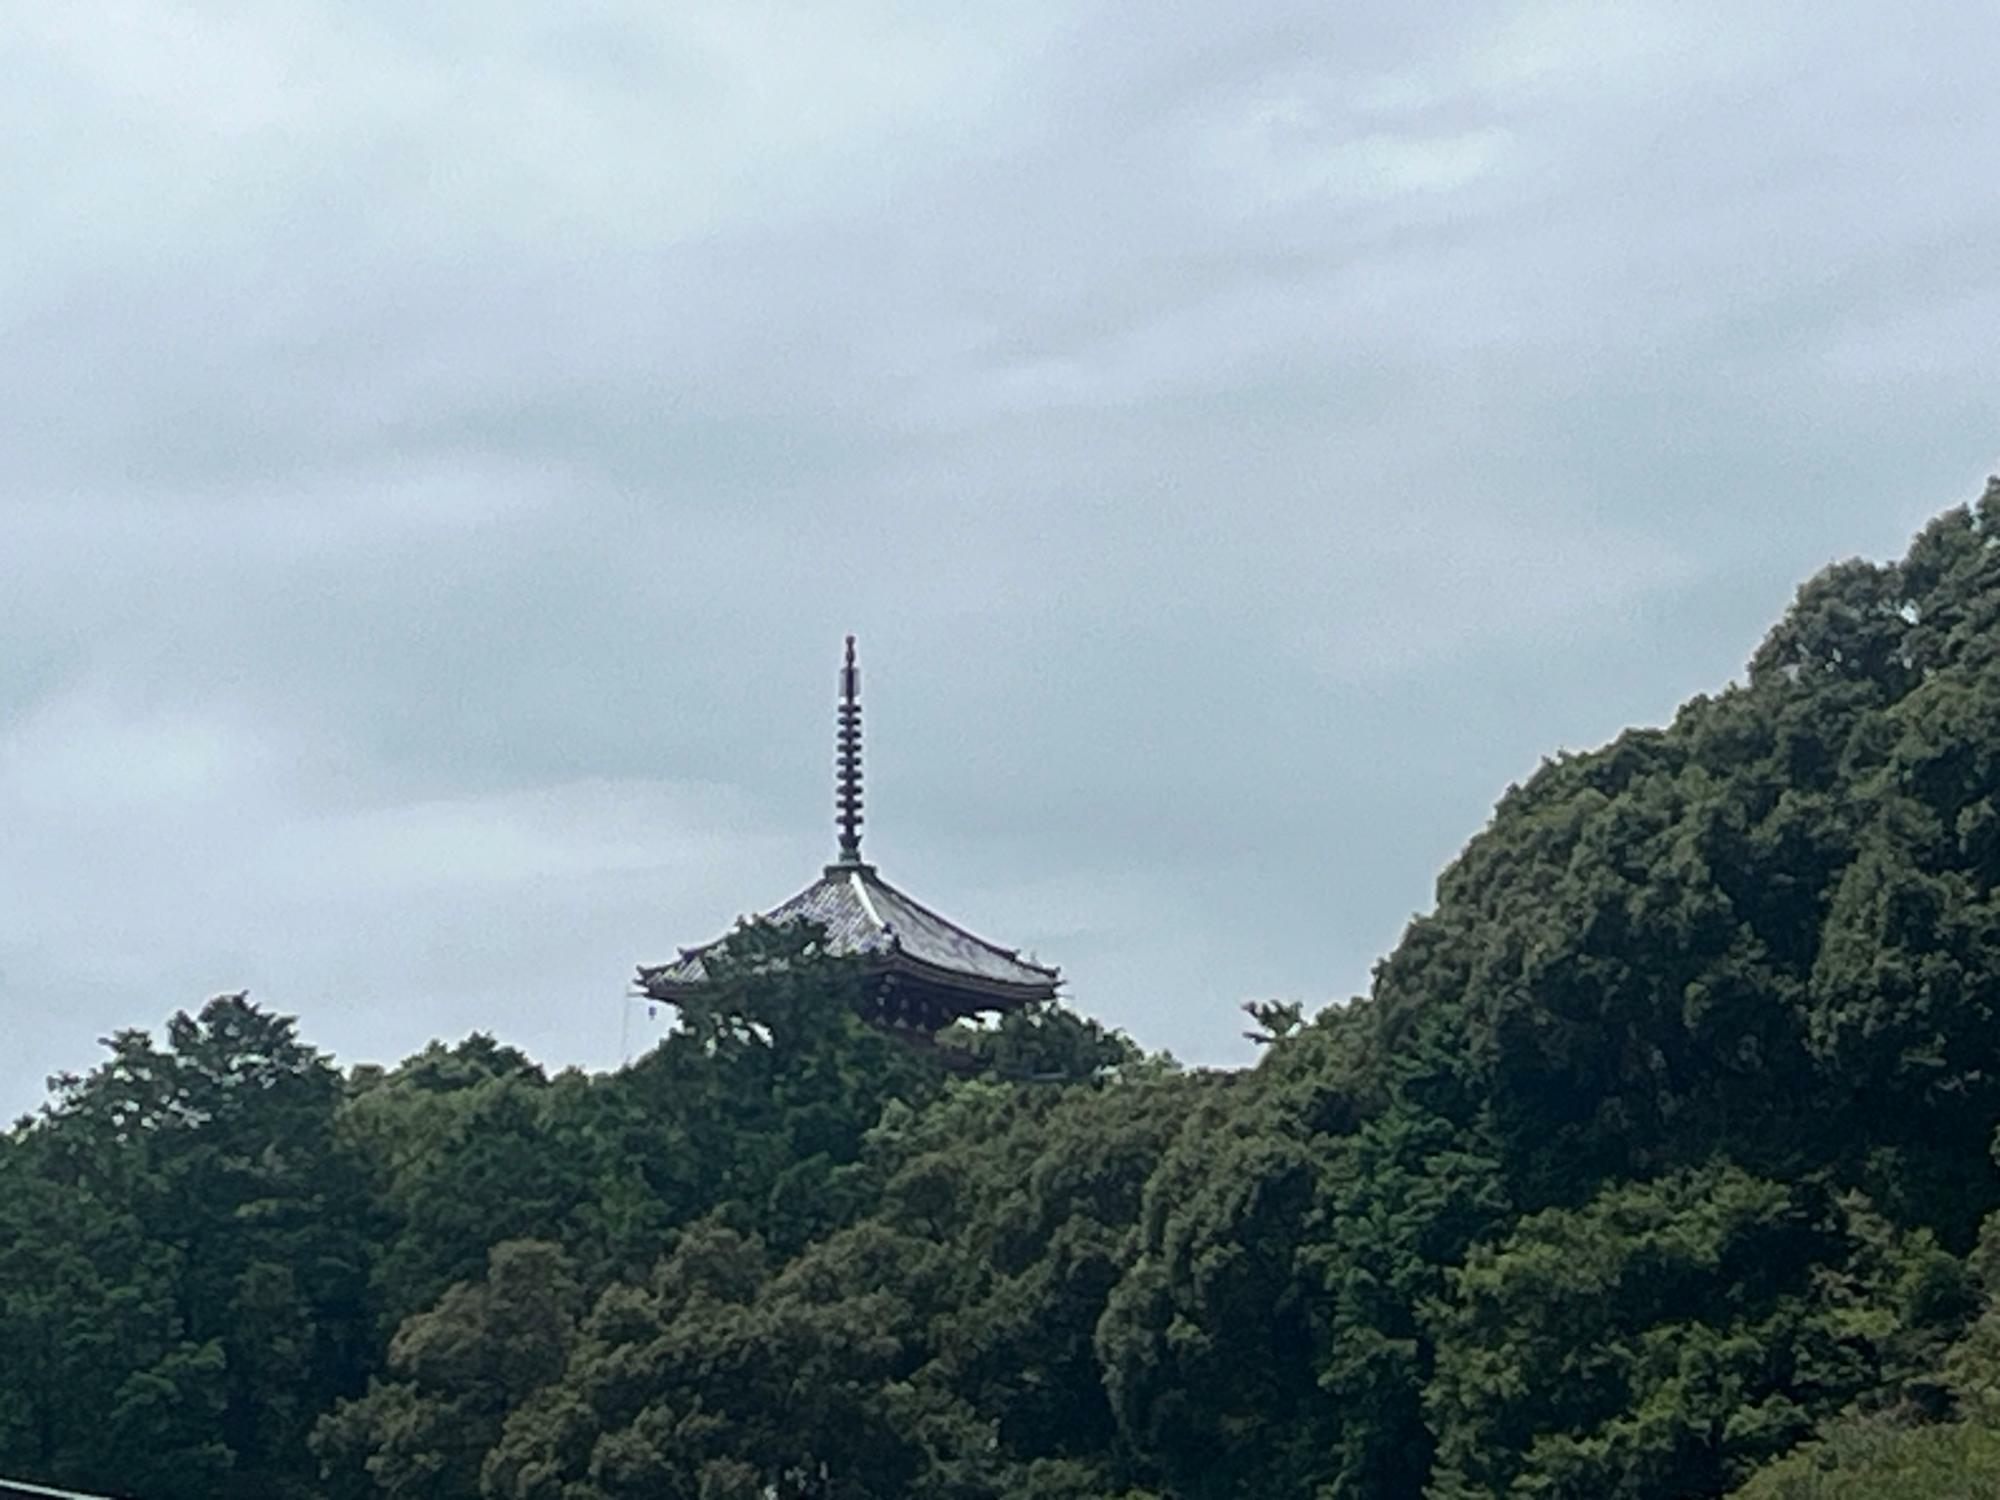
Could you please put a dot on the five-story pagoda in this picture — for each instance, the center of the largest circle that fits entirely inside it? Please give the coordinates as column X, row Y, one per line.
column 920, row 971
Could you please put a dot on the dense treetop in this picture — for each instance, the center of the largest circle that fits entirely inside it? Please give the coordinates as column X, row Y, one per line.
column 1655, row 1164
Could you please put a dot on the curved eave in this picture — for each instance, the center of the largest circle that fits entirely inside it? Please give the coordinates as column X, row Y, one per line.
column 1003, row 992
column 984, row 993
column 1010, row 955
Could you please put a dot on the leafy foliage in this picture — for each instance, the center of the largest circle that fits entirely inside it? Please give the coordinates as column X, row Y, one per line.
column 1875, row 1460
column 1655, row 1164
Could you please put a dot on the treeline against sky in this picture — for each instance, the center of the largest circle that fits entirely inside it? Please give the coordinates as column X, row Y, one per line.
column 1658, row 1163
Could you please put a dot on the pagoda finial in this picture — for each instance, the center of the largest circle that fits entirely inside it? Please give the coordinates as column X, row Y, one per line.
column 847, row 760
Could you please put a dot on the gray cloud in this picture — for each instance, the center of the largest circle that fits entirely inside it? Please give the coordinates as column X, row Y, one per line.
column 444, row 449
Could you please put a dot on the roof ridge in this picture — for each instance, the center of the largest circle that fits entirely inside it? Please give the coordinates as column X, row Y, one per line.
column 861, row 889
column 1013, row 954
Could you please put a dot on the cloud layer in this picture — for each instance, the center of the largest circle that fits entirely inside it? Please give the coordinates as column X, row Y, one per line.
column 444, row 448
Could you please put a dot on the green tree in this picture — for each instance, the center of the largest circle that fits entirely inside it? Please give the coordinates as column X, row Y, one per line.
column 1667, row 1336
column 455, row 1372
column 1879, row 1460
column 191, row 1235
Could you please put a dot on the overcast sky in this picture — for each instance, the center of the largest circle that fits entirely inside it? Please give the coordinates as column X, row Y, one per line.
column 442, row 446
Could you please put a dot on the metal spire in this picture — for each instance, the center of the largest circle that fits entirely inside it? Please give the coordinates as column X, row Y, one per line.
column 847, row 760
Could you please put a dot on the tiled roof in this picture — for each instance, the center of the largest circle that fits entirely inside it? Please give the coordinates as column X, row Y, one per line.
column 865, row 916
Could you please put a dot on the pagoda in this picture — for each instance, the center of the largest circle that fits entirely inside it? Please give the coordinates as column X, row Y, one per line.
column 920, row 972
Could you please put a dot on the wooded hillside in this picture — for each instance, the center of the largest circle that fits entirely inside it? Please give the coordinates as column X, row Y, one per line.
column 1655, row 1165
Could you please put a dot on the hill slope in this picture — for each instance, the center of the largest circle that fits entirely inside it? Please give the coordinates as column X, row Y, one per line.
column 1660, row 1148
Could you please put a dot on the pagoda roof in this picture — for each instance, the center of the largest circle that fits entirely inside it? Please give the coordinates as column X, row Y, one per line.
column 866, row 917
column 934, row 965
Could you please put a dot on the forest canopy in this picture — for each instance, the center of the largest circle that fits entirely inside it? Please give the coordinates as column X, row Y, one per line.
column 1657, row 1163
